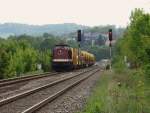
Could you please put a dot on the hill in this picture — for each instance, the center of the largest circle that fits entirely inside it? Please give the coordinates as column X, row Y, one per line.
column 7, row 29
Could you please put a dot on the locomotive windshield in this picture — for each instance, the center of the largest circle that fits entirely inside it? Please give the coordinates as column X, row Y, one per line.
column 62, row 46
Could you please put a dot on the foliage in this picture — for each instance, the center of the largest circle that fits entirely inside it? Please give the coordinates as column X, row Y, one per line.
column 119, row 93
column 136, row 40
column 119, row 64
column 21, row 54
column 147, row 72
column 135, row 46
column 45, row 59
column 100, row 52
column 126, row 90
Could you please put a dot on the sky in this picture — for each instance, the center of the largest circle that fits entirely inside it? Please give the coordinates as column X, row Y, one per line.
column 84, row 12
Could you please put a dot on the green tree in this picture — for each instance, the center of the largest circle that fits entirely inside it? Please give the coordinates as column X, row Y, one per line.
column 136, row 39
column 4, row 61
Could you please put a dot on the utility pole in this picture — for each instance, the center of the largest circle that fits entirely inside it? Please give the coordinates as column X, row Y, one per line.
column 110, row 45
column 110, row 50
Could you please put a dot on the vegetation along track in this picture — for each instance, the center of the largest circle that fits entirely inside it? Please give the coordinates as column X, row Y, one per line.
column 21, row 102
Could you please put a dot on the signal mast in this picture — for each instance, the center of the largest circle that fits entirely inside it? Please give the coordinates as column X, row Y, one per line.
column 110, row 45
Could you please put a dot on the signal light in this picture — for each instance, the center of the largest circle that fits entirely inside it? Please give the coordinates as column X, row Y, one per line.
column 110, row 34
column 79, row 35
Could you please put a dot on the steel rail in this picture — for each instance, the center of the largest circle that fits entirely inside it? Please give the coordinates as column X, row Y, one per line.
column 21, row 95
column 37, row 106
column 9, row 81
column 25, row 78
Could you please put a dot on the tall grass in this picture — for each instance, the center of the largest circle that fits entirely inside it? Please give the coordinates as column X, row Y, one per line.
column 120, row 93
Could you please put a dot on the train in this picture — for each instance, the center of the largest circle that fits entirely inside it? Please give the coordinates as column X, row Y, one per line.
column 65, row 57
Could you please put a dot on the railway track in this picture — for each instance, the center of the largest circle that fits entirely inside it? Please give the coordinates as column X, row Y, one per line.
column 24, row 78
column 22, row 102
column 13, row 85
column 10, row 86
column 15, row 80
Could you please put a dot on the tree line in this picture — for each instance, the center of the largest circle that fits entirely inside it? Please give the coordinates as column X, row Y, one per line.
column 22, row 54
column 135, row 44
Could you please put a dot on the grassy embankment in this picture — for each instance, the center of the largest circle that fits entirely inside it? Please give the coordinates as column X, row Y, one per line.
column 126, row 92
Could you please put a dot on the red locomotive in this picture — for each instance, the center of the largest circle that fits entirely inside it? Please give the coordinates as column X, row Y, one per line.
column 68, row 58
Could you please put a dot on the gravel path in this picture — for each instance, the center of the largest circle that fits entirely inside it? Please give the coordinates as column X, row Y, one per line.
column 74, row 100
column 26, row 102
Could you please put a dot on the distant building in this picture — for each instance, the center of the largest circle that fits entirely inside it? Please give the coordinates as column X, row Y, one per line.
column 94, row 38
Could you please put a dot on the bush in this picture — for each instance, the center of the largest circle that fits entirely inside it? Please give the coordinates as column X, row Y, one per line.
column 119, row 65
column 147, row 71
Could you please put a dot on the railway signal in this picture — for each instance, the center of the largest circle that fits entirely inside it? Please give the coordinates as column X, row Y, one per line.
column 79, row 36
column 110, row 34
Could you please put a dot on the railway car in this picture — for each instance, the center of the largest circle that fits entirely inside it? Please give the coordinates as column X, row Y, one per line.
column 68, row 58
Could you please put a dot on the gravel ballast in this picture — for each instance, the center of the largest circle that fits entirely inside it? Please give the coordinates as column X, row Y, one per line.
column 22, row 104
column 74, row 100
column 28, row 85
